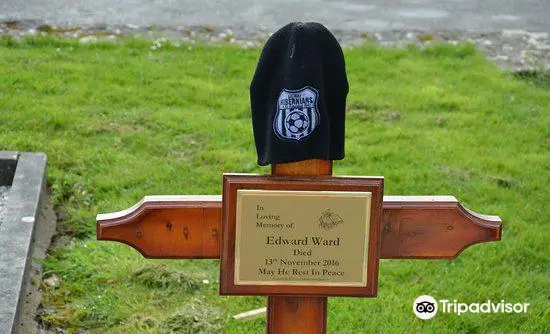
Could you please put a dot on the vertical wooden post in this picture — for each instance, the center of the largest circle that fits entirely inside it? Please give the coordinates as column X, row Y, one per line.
column 296, row 315
column 304, row 315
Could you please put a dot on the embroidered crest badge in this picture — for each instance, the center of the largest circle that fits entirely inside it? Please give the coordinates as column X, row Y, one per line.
column 297, row 114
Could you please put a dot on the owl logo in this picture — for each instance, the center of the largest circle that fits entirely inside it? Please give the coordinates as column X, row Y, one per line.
column 425, row 307
column 297, row 113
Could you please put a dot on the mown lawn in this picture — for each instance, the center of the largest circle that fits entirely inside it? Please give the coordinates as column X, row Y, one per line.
column 122, row 121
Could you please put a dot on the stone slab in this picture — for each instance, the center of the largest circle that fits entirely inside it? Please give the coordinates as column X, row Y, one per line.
column 16, row 235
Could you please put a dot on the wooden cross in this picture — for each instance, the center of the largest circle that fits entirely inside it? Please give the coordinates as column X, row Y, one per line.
column 190, row 227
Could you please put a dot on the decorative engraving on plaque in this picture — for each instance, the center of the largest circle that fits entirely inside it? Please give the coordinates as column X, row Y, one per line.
column 329, row 219
column 302, row 237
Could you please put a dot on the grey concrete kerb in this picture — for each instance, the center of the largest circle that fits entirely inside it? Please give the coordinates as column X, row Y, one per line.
column 25, row 172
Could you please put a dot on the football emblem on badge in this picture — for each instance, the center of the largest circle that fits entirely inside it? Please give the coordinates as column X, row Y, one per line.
column 297, row 114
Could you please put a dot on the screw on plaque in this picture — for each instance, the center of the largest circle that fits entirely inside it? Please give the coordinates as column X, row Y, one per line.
column 169, row 225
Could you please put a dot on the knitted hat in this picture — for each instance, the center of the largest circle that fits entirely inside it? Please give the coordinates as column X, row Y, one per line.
column 298, row 96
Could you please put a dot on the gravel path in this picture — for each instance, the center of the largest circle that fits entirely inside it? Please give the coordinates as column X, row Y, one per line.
column 514, row 50
column 4, row 192
column 372, row 15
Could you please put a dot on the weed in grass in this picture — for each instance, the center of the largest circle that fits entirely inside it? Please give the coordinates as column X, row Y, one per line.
column 193, row 318
column 54, row 321
column 141, row 323
column 161, row 277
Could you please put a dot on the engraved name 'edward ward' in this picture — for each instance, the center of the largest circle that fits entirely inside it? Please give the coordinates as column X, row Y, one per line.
column 305, row 241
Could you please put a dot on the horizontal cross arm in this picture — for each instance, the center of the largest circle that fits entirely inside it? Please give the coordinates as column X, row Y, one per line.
column 187, row 227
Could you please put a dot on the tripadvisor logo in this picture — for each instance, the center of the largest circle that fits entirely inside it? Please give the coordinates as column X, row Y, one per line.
column 425, row 307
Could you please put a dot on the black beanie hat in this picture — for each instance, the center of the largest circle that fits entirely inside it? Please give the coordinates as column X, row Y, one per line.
column 298, row 96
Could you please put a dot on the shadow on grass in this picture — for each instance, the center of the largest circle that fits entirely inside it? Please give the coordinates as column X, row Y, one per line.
column 538, row 78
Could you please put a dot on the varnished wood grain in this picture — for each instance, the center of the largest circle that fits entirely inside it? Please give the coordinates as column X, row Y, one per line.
column 432, row 227
column 303, row 315
column 299, row 314
column 413, row 227
column 306, row 167
column 177, row 227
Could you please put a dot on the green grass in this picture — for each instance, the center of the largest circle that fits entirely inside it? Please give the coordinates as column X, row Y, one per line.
column 121, row 121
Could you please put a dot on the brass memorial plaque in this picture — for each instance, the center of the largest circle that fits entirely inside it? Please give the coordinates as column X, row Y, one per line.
column 313, row 238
